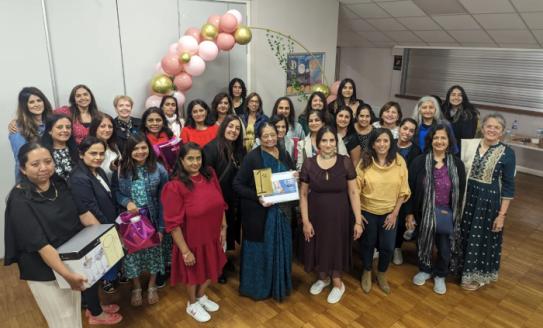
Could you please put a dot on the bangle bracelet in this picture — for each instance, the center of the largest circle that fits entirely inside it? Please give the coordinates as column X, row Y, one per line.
column 358, row 223
column 502, row 214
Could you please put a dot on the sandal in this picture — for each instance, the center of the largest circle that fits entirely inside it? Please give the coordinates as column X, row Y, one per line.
column 109, row 308
column 107, row 319
column 136, row 299
column 152, row 295
column 472, row 286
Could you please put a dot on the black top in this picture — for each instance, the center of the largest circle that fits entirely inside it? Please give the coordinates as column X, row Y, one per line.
column 90, row 195
column 412, row 152
column 253, row 214
column 34, row 221
column 226, row 169
column 124, row 130
column 417, row 173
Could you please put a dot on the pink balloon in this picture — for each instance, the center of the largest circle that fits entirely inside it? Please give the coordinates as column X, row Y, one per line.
column 334, row 88
column 208, row 50
column 214, row 19
column 183, row 81
column 330, row 99
column 228, row 23
column 196, row 66
column 171, row 65
column 180, row 97
column 153, row 101
column 188, row 44
column 194, row 32
column 225, row 41
column 174, row 48
column 236, row 14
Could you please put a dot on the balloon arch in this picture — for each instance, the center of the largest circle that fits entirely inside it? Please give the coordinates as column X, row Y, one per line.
column 187, row 58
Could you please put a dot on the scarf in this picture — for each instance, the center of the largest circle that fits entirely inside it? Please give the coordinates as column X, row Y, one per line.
column 174, row 124
column 126, row 127
column 427, row 228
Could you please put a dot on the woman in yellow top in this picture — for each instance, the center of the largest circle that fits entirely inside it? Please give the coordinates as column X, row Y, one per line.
column 382, row 179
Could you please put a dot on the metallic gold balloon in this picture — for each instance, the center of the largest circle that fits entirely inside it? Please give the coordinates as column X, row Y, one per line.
column 321, row 88
column 184, row 57
column 243, row 34
column 161, row 84
column 209, row 32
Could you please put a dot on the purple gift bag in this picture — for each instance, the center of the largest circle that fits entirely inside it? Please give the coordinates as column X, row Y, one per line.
column 137, row 231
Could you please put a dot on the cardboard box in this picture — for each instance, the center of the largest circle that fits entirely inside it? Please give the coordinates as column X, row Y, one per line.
column 92, row 253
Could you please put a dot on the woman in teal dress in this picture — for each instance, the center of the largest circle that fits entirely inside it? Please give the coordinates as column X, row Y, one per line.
column 490, row 167
column 138, row 184
column 266, row 249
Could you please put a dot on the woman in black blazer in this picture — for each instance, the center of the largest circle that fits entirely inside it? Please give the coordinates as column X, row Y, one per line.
column 92, row 193
column 224, row 154
column 266, row 250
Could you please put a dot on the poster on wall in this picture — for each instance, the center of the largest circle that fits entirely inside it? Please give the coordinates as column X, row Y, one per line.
column 303, row 71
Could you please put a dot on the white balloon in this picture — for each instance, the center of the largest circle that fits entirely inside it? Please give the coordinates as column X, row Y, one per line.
column 236, row 14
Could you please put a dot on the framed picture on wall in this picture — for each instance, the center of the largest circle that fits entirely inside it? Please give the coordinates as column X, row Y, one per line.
column 303, row 71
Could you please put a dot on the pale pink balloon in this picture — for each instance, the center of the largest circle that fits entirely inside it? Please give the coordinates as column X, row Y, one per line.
column 153, row 101
column 225, row 41
column 236, row 14
column 180, row 97
column 228, row 23
column 208, row 50
column 196, row 66
column 171, row 65
column 330, row 99
column 214, row 19
column 194, row 32
column 334, row 88
column 188, row 44
column 183, row 81
column 174, row 48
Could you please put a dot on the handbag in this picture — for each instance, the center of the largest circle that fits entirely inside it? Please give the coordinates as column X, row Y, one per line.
column 137, row 231
column 444, row 220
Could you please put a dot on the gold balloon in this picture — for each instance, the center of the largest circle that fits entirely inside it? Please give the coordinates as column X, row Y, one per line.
column 184, row 57
column 321, row 88
column 209, row 32
column 161, row 84
column 243, row 34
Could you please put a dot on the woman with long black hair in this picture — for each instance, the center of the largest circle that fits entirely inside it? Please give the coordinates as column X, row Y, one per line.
column 461, row 113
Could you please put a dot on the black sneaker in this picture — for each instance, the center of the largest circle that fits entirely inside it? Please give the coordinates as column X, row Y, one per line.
column 109, row 287
column 161, row 280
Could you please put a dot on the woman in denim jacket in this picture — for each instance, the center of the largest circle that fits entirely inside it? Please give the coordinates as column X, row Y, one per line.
column 137, row 184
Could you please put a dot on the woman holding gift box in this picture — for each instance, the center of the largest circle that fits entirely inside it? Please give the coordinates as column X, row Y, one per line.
column 41, row 216
column 194, row 213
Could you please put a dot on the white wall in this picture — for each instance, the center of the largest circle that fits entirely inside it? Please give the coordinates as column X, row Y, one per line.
column 312, row 22
column 377, row 83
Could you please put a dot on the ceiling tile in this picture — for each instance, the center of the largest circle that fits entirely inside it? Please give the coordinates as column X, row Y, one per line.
column 419, row 23
column 441, row 7
column 457, row 22
column 488, row 6
column 438, row 44
column 528, row 5
column 346, row 13
column 403, row 36
column 539, row 35
column 434, row 36
column 354, row 1
column 476, row 36
column 514, row 36
column 375, row 36
column 368, row 10
column 386, row 24
column 402, row 9
column 479, row 45
column 534, row 20
column 359, row 25
column 520, row 45
column 412, row 44
column 500, row 21
column 384, row 44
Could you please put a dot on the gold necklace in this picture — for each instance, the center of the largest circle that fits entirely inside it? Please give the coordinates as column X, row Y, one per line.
column 46, row 198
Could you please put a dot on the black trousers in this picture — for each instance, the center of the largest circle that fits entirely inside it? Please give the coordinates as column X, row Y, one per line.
column 441, row 266
column 400, row 227
column 375, row 236
column 91, row 299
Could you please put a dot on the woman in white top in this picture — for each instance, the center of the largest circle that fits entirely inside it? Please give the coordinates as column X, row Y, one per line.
column 170, row 108
column 102, row 128
column 390, row 117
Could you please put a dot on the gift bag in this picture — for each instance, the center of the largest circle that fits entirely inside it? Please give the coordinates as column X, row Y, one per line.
column 137, row 230
column 167, row 152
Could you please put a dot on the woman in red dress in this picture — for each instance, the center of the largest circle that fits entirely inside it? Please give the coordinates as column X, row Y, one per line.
column 194, row 214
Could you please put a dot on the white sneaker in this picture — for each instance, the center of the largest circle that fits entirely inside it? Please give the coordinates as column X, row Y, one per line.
column 318, row 286
column 420, row 278
column 439, row 285
column 208, row 304
column 375, row 254
column 398, row 257
column 197, row 312
column 336, row 294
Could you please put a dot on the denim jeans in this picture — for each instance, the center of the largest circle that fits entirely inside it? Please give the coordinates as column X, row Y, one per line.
column 375, row 236
column 441, row 266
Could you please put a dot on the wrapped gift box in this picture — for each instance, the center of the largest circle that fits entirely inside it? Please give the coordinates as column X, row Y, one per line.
column 92, row 253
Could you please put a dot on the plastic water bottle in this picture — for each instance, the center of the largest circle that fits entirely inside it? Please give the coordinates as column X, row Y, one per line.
column 514, row 128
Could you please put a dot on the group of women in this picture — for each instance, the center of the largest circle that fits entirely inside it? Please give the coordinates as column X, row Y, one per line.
column 361, row 177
